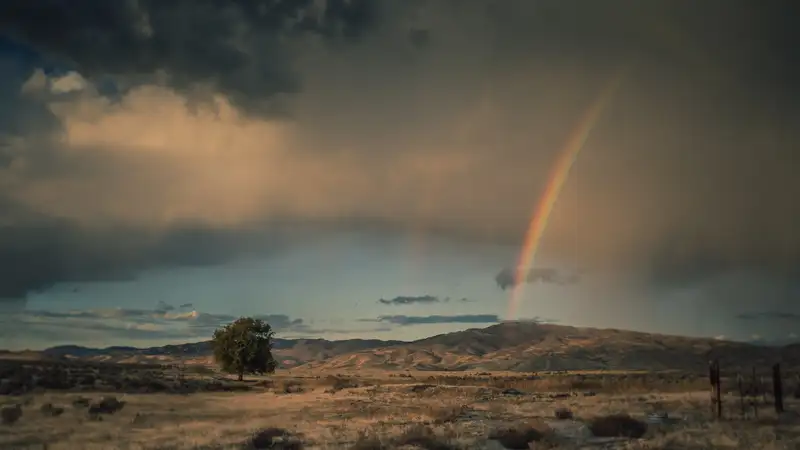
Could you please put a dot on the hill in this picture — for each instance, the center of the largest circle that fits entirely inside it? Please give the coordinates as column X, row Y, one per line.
column 288, row 352
column 510, row 346
column 521, row 346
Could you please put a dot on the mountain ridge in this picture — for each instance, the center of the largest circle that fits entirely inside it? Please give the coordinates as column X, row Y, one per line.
column 508, row 346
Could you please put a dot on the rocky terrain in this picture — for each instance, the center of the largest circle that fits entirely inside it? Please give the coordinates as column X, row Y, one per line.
column 401, row 411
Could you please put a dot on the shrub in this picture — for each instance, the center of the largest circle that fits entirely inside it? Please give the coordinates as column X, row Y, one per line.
column 617, row 425
column 292, row 387
column 337, row 384
column 49, row 410
column 563, row 414
column 448, row 413
column 275, row 438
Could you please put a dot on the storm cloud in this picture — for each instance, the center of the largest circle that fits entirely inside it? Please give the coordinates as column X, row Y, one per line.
column 770, row 316
column 506, row 277
column 424, row 320
column 135, row 135
column 241, row 49
column 124, row 325
column 410, row 300
column 39, row 251
column 426, row 299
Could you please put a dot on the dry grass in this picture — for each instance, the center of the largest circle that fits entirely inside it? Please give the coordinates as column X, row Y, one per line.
column 605, row 382
column 378, row 411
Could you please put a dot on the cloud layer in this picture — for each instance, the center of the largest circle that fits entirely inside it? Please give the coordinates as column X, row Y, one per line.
column 241, row 49
column 138, row 136
column 410, row 300
column 426, row 299
column 438, row 319
column 770, row 316
column 506, row 278
column 163, row 323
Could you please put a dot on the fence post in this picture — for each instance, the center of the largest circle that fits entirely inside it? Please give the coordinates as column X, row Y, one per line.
column 711, row 382
column 716, row 388
column 719, row 391
column 756, row 389
column 777, row 386
column 740, row 383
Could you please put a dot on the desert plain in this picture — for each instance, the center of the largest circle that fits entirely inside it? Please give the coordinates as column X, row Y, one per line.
column 153, row 400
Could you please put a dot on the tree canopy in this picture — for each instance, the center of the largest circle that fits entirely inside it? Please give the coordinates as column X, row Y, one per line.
column 244, row 346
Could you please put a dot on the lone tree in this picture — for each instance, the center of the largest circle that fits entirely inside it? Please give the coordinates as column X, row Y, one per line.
column 244, row 346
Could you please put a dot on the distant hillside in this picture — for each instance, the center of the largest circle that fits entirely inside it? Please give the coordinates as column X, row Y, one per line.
column 288, row 352
column 511, row 346
column 518, row 346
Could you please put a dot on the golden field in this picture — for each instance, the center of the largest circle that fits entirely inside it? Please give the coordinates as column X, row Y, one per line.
column 387, row 410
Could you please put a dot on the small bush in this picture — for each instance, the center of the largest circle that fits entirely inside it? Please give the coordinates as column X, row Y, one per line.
column 563, row 414
column 423, row 437
column 202, row 370
column 448, row 413
column 418, row 436
column 81, row 402
column 520, row 438
column 10, row 414
column 49, row 410
column 339, row 383
column 107, row 405
column 617, row 425
column 292, row 387
column 266, row 384
column 275, row 438
column 419, row 388
column 367, row 440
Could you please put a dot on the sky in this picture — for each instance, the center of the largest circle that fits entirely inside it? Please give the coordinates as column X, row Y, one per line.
column 354, row 168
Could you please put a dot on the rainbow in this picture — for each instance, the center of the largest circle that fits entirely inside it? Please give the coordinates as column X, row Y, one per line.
column 558, row 176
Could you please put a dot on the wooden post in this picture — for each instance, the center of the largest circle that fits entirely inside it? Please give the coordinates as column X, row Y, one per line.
column 754, row 394
column 796, row 393
column 716, row 388
column 719, row 391
column 777, row 387
column 711, row 379
column 741, row 393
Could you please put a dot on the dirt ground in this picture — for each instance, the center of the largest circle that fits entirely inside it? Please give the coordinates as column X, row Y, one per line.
column 398, row 411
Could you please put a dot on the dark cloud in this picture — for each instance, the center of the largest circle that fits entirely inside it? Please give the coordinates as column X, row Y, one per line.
column 38, row 254
column 420, row 38
column 37, row 251
column 535, row 319
column 99, row 314
column 123, row 324
column 77, row 326
column 776, row 341
column 163, row 307
column 419, row 299
column 206, row 323
column 770, row 316
column 506, row 277
column 442, row 116
column 240, row 48
column 410, row 300
column 186, row 306
column 423, row 320
column 281, row 321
